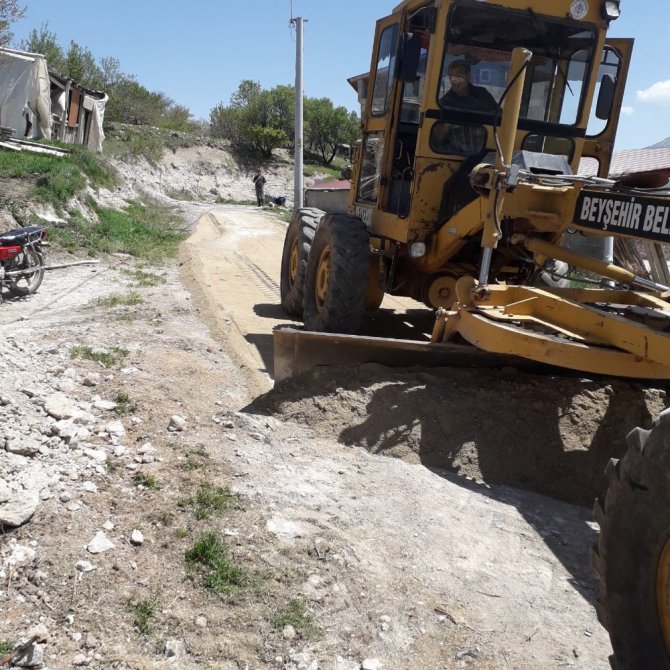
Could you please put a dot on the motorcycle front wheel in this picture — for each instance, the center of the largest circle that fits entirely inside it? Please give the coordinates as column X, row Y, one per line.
column 30, row 264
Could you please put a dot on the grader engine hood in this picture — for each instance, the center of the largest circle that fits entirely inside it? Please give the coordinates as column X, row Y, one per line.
column 627, row 215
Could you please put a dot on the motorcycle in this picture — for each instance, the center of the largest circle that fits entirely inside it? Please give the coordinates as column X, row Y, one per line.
column 22, row 260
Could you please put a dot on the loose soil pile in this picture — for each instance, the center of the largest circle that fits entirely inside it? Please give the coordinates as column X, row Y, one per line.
column 546, row 434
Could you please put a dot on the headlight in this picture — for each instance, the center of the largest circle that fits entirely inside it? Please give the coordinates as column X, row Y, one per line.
column 417, row 250
column 610, row 10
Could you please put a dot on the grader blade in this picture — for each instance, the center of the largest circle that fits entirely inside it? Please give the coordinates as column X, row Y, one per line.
column 297, row 351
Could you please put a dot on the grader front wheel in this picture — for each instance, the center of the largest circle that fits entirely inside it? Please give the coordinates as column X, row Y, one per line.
column 297, row 243
column 632, row 556
column 336, row 283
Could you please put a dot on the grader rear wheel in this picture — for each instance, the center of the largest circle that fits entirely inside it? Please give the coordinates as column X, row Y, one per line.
column 336, row 284
column 632, row 556
column 297, row 243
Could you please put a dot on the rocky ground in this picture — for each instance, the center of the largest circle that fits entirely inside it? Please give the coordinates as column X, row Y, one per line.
column 157, row 511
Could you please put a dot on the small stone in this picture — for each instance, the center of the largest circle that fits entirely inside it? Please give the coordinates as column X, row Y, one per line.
column 289, row 633
column 91, row 379
column 65, row 497
column 99, row 544
column 40, row 631
column 19, row 508
column 371, row 664
column 32, row 657
column 175, row 648
column 201, row 621
column 80, row 659
column 115, row 429
column 136, row 538
column 177, row 423
column 22, row 446
column 89, row 487
column 91, row 642
column 105, row 405
column 108, row 525
column 84, row 566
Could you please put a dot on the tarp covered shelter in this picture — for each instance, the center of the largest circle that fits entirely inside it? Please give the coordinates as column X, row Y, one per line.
column 39, row 103
column 25, row 94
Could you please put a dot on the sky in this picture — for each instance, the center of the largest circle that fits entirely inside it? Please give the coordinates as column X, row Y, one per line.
column 198, row 52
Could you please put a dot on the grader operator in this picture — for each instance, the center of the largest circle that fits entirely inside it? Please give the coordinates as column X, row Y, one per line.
column 471, row 193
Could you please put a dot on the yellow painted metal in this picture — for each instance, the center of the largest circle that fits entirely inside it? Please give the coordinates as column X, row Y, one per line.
column 322, row 276
column 566, row 328
column 293, row 262
column 551, row 350
column 663, row 592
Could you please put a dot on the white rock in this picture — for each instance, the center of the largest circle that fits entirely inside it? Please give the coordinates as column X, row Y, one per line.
column 19, row 508
column 23, row 446
column 60, row 407
column 136, row 538
column 175, row 648
column 32, row 657
column 115, row 428
column 177, row 423
column 201, row 621
column 289, row 633
column 106, row 405
column 371, row 664
column 40, row 631
column 91, row 379
column 99, row 544
column 84, row 566
column 108, row 525
column 89, row 487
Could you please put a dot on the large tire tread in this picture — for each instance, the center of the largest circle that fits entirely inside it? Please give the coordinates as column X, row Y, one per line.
column 344, row 307
column 300, row 231
column 634, row 520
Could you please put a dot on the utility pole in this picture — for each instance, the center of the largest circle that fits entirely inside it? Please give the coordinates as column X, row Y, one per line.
column 298, row 181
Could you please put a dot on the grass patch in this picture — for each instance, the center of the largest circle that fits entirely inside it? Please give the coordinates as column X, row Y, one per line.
column 143, row 611
column 210, row 556
column 113, row 465
column 107, row 358
column 295, row 614
column 147, row 481
column 207, row 501
column 151, row 231
column 144, row 278
column 124, row 404
column 182, row 532
column 232, row 201
column 132, row 298
column 192, row 464
column 5, row 647
column 57, row 179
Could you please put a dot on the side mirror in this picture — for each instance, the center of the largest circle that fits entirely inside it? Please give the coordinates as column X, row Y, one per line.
column 410, row 56
column 605, row 97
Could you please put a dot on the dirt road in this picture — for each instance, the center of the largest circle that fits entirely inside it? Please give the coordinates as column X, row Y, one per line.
column 515, row 564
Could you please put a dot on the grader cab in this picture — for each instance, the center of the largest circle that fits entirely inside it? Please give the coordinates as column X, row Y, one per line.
column 480, row 179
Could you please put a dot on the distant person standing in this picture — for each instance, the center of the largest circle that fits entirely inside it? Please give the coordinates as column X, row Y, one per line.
column 259, row 183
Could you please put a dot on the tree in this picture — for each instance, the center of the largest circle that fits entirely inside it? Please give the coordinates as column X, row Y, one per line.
column 255, row 120
column 80, row 65
column 46, row 43
column 327, row 127
column 10, row 11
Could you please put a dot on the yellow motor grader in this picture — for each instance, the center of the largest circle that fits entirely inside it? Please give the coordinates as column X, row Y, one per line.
column 480, row 188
